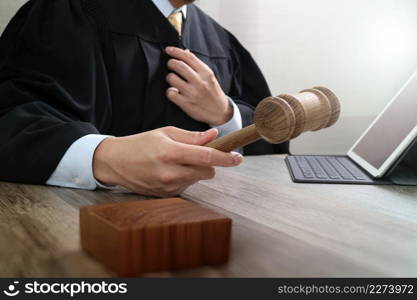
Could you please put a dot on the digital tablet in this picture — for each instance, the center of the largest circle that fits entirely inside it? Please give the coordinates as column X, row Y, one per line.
column 390, row 134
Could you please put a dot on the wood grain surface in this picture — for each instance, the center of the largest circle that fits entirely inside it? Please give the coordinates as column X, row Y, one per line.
column 280, row 229
column 136, row 237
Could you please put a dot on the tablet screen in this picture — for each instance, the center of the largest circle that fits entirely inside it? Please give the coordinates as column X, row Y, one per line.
column 392, row 127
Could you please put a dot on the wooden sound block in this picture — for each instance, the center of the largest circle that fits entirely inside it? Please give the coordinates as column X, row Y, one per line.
column 132, row 238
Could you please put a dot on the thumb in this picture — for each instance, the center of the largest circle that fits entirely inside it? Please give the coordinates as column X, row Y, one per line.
column 192, row 137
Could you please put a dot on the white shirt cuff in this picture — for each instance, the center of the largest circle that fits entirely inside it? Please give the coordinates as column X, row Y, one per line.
column 75, row 170
column 234, row 124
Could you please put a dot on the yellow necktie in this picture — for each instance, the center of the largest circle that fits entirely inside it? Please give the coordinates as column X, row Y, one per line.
column 176, row 20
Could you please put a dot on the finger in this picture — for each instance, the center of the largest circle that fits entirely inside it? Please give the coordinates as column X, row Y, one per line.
column 174, row 96
column 183, row 70
column 191, row 137
column 206, row 157
column 175, row 81
column 188, row 57
column 189, row 175
column 179, row 177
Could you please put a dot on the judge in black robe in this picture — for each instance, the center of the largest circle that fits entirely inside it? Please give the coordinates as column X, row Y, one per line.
column 69, row 68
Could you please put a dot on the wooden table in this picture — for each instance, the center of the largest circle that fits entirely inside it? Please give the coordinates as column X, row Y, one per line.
column 281, row 229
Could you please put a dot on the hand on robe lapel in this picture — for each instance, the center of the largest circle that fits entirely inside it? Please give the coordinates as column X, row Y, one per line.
column 197, row 92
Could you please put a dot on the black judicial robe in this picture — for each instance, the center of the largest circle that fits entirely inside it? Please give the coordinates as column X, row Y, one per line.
column 69, row 68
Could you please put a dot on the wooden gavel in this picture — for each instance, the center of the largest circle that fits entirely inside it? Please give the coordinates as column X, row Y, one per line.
column 285, row 117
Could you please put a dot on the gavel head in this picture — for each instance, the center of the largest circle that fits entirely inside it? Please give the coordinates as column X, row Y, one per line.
column 282, row 118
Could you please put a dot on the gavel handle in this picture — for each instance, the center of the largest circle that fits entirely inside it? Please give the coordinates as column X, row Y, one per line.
column 236, row 140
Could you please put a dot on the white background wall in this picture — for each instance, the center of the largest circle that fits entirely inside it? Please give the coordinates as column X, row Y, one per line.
column 7, row 9
column 363, row 49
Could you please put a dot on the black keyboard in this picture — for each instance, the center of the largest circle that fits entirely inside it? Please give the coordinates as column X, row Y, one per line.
column 326, row 169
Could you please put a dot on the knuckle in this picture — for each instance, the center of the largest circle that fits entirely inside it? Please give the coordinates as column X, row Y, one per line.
column 171, row 190
column 207, row 156
column 167, row 156
column 167, row 190
column 167, row 179
column 167, row 129
column 201, row 85
column 172, row 95
column 189, row 55
column 171, row 63
column 196, row 136
column 206, row 85
column 164, row 157
column 211, row 78
column 172, row 78
column 181, row 65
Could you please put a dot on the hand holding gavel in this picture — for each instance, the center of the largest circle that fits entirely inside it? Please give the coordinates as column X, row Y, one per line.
column 280, row 119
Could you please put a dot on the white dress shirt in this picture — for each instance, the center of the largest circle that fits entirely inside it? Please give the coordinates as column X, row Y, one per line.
column 75, row 170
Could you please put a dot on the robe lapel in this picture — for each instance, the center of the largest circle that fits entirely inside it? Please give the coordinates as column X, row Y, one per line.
column 142, row 18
